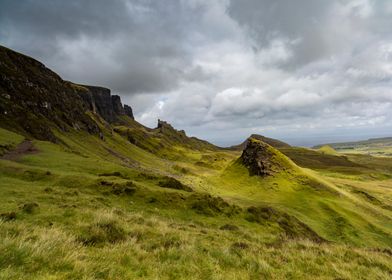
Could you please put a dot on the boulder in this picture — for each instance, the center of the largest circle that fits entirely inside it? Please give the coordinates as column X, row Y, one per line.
column 258, row 158
column 128, row 111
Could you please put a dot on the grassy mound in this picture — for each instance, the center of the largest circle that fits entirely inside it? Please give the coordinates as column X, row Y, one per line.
column 172, row 183
column 206, row 204
column 290, row 225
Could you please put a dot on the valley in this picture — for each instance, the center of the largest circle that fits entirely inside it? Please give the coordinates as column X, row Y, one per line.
column 89, row 193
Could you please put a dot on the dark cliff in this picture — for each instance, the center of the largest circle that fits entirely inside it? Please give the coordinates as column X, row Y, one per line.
column 128, row 111
column 35, row 100
column 261, row 159
column 100, row 101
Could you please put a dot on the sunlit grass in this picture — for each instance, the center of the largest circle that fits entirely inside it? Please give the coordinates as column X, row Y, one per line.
column 79, row 228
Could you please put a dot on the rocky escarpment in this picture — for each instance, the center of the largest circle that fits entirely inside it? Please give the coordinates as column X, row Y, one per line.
column 128, row 111
column 167, row 131
column 165, row 127
column 108, row 106
column 262, row 159
column 34, row 100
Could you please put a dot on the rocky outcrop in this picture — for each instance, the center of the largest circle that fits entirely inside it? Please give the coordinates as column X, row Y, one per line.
column 34, row 99
column 100, row 101
column 128, row 111
column 117, row 105
column 165, row 127
column 258, row 158
column 162, row 126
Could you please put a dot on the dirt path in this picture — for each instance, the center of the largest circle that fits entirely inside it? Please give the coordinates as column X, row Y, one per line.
column 24, row 148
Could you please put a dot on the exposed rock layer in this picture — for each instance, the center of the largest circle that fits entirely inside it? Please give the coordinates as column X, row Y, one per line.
column 258, row 158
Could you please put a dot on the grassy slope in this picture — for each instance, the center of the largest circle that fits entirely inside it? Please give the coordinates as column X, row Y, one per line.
column 81, row 229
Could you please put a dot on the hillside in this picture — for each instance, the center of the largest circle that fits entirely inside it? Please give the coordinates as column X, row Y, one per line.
column 273, row 142
column 90, row 193
column 374, row 146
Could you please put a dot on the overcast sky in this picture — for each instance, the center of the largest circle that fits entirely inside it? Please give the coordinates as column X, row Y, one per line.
column 304, row 71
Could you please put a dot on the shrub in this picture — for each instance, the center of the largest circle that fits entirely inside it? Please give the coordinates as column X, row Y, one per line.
column 8, row 216
column 103, row 232
column 171, row 183
column 208, row 205
column 30, row 207
column 229, row 227
column 129, row 188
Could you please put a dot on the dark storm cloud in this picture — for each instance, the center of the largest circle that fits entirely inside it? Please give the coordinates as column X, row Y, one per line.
column 130, row 46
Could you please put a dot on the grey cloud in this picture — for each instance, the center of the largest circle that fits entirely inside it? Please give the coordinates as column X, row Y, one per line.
column 321, row 28
column 223, row 69
column 130, row 46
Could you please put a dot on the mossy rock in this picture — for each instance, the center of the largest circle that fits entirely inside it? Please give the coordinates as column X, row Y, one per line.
column 30, row 207
column 129, row 188
column 208, row 205
column 171, row 183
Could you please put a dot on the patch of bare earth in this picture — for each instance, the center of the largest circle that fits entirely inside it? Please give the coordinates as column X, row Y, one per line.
column 24, row 148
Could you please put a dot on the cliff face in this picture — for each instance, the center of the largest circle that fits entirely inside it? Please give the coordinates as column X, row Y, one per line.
column 128, row 111
column 257, row 158
column 117, row 105
column 34, row 99
column 261, row 159
column 100, row 101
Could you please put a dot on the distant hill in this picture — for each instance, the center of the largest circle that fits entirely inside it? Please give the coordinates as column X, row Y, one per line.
column 370, row 142
column 373, row 146
column 270, row 141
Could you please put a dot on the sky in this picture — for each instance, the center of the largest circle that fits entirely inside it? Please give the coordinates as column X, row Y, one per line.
column 305, row 71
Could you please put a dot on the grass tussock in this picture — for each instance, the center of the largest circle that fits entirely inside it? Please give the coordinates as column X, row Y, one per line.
column 208, row 205
column 172, row 183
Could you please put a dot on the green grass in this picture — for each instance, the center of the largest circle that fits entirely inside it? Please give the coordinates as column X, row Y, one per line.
column 93, row 209
column 8, row 140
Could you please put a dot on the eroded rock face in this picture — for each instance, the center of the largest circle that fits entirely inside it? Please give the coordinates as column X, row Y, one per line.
column 128, row 111
column 162, row 125
column 34, row 99
column 102, row 101
column 117, row 105
column 109, row 107
column 257, row 157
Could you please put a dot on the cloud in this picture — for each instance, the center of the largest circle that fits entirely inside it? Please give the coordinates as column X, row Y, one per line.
column 130, row 46
column 307, row 69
